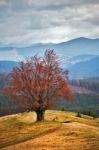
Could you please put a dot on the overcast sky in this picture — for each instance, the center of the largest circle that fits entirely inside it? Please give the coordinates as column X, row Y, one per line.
column 48, row 21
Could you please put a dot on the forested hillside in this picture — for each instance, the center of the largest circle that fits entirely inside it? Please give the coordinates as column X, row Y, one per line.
column 86, row 97
column 90, row 84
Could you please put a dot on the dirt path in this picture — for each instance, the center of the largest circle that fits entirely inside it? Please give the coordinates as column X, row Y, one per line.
column 49, row 131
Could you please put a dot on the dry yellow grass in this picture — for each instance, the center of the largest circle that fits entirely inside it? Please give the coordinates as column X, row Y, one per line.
column 61, row 131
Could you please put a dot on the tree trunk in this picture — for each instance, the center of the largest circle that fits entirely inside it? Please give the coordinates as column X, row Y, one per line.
column 40, row 115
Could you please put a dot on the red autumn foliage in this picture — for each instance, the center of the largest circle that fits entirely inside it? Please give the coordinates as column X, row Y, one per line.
column 38, row 82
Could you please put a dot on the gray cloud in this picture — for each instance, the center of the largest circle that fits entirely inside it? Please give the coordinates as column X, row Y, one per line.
column 34, row 21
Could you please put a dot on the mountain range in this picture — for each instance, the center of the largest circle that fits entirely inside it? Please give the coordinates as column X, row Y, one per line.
column 85, row 68
column 80, row 56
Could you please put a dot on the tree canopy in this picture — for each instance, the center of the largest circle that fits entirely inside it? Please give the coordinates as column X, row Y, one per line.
column 38, row 82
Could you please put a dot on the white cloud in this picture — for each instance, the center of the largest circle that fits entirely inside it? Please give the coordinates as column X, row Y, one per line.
column 33, row 21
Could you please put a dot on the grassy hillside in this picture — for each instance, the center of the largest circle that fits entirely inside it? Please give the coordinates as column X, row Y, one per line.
column 86, row 97
column 91, row 84
column 8, row 106
column 82, row 103
column 60, row 131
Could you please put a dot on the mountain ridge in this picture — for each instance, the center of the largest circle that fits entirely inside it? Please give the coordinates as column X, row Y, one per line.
column 70, row 48
column 30, row 45
column 70, row 53
column 81, row 66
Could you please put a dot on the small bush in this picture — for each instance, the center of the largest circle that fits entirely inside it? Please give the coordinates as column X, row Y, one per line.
column 78, row 114
column 94, row 116
column 62, row 109
column 55, row 119
column 89, row 113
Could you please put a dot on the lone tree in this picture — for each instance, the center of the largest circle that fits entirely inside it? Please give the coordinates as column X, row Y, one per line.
column 38, row 82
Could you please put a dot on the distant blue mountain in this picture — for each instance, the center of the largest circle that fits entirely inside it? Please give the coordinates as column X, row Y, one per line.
column 84, row 69
column 79, row 55
column 79, row 46
column 81, row 58
column 76, row 59
column 82, row 66
column 6, row 66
